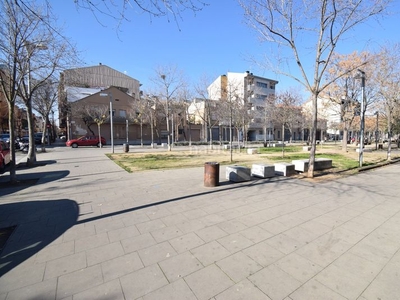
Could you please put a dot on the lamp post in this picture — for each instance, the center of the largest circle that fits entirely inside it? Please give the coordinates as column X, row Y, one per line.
column 111, row 119
column 361, row 149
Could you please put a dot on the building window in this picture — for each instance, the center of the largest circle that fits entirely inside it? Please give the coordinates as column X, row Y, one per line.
column 272, row 87
column 122, row 113
column 262, row 85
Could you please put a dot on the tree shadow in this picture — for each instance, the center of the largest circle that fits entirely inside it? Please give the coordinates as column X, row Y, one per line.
column 35, row 225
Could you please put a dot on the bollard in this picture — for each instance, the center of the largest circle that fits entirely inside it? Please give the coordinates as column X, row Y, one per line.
column 125, row 147
column 211, row 174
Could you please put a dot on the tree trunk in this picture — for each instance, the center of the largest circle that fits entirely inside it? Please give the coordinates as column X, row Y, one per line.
column 13, row 175
column 31, row 157
column 310, row 173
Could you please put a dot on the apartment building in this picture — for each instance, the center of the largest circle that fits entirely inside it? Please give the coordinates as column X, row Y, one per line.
column 252, row 92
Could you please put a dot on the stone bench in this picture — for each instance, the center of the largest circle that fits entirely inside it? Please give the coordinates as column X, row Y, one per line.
column 238, row 173
column 234, row 146
column 252, row 151
column 280, row 145
column 306, row 148
column 284, row 169
column 301, row 165
column 262, row 170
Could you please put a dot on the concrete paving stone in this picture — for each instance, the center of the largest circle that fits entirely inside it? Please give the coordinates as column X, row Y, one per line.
column 354, row 226
column 166, row 233
column 175, row 290
column 120, row 266
column 301, row 234
column 274, row 282
column 210, row 253
column 324, row 250
column 3, row 296
column 211, row 277
column 158, row 213
column 104, row 253
column 150, row 226
column 358, row 266
column 42, row 290
column 346, row 235
column 55, row 251
column 107, row 224
column 91, row 242
column 110, row 207
column 256, row 234
column 214, row 208
column 179, row 266
column 235, row 242
column 174, row 219
column 232, row 226
column 386, row 285
column 238, row 266
column 65, row 265
column 342, row 282
column 143, row 282
column 369, row 250
column 133, row 218
column 211, row 233
column 79, row 281
column 212, row 219
column 21, row 276
column 231, row 213
column 257, row 218
column 156, row 253
column 314, row 290
column 194, row 213
column 316, row 228
column 242, row 291
column 191, row 225
column 79, row 231
column 284, row 243
column 108, row 290
column 186, row 242
column 122, row 233
column 138, row 242
column 298, row 267
column 263, row 253
column 274, row 226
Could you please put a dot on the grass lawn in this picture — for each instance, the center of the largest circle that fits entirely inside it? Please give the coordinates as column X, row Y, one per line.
column 177, row 158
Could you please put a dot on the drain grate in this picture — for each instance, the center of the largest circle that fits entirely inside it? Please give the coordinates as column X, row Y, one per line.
column 5, row 233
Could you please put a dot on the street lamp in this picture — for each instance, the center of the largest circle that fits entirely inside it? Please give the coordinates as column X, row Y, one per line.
column 111, row 118
column 361, row 149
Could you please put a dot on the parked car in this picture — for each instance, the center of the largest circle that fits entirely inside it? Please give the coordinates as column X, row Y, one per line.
column 86, row 141
column 5, row 137
column 5, row 155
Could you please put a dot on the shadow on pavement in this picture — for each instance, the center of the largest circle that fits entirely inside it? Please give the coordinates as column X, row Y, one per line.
column 37, row 224
column 28, row 179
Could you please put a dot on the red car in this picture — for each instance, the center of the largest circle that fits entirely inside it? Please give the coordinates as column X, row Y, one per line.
column 5, row 156
column 86, row 141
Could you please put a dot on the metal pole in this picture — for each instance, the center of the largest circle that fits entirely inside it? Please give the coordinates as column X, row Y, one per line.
column 361, row 150
column 111, row 123
column 127, row 132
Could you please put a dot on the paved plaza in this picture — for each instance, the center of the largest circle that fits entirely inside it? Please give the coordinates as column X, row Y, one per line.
column 87, row 229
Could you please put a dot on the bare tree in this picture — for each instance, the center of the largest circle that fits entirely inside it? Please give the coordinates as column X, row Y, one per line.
column 388, row 79
column 169, row 81
column 44, row 101
column 322, row 23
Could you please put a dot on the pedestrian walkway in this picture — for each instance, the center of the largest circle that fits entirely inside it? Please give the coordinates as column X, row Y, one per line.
column 86, row 229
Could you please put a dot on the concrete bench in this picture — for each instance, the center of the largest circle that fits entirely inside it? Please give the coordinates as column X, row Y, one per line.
column 252, row 151
column 237, row 173
column 306, row 148
column 365, row 150
column 279, row 145
column 164, row 145
column 284, row 169
column 234, row 146
column 262, row 170
column 301, row 165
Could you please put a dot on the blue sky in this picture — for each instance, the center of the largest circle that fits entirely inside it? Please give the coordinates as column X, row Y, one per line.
column 209, row 43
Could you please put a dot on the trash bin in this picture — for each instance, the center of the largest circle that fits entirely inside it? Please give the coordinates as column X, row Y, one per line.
column 126, row 147
column 211, row 174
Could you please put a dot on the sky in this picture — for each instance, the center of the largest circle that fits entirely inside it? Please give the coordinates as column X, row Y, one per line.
column 207, row 43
